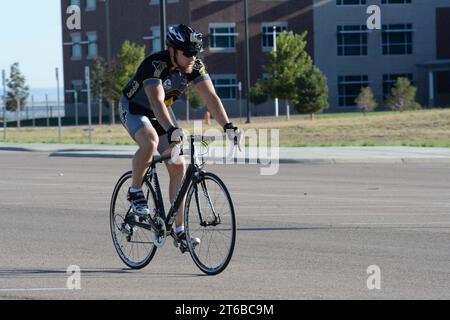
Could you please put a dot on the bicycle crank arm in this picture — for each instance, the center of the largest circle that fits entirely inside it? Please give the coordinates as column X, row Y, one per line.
column 141, row 225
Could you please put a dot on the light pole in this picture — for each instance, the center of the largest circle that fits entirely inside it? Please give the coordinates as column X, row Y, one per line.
column 277, row 110
column 75, row 95
column 59, row 107
column 4, row 103
column 163, row 21
column 46, row 107
column 108, row 32
column 18, row 112
column 32, row 112
column 240, row 100
column 88, row 86
column 247, row 49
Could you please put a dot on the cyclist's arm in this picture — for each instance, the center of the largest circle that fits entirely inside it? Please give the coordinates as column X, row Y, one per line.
column 206, row 89
column 156, row 95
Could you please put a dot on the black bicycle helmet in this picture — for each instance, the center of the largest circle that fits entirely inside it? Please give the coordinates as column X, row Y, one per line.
column 185, row 38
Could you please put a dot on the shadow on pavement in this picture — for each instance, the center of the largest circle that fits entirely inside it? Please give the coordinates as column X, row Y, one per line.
column 51, row 273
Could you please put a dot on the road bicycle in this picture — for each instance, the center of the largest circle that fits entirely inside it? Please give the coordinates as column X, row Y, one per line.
column 208, row 215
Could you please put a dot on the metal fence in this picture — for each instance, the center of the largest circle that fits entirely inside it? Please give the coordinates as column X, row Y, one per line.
column 39, row 110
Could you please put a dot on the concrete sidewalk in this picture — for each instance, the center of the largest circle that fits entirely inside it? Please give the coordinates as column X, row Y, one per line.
column 253, row 155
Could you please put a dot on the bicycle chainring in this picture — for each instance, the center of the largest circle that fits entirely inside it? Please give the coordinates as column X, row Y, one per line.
column 159, row 235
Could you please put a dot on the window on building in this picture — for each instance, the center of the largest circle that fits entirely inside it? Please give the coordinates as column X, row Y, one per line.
column 267, row 34
column 155, row 38
column 350, row 2
column 226, row 86
column 352, row 40
column 395, row 1
column 156, row 2
column 397, row 39
column 390, row 79
column 77, row 85
column 222, row 36
column 92, row 46
column 349, row 87
column 76, row 46
column 91, row 5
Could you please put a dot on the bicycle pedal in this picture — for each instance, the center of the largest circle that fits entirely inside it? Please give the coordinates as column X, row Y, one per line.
column 183, row 248
column 126, row 230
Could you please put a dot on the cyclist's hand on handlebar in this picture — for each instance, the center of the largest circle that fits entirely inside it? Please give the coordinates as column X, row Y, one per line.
column 234, row 134
column 175, row 136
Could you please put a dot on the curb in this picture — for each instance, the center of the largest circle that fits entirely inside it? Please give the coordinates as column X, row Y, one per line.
column 109, row 152
column 267, row 162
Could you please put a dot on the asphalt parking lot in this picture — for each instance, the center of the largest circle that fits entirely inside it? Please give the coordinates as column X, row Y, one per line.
column 309, row 232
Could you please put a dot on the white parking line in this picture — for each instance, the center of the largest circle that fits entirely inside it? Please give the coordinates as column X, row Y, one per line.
column 36, row 289
column 395, row 223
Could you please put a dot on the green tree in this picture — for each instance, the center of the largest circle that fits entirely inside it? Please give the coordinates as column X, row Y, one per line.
column 312, row 91
column 121, row 70
column 16, row 89
column 195, row 99
column 285, row 67
column 99, row 82
column 366, row 101
column 403, row 96
column 257, row 95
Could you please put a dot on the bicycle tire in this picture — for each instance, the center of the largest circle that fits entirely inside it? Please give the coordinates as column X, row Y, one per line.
column 114, row 228
column 206, row 232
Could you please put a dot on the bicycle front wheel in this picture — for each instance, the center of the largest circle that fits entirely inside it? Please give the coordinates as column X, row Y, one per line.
column 209, row 216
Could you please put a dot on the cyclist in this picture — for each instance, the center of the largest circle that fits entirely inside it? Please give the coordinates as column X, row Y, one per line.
column 145, row 110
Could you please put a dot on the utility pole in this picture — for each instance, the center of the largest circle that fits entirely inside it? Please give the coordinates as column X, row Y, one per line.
column 59, row 107
column 4, row 104
column 32, row 112
column 247, row 49
column 277, row 109
column 108, row 32
column 46, row 105
column 88, row 86
column 240, row 101
column 75, row 95
column 163, row 21
column 18, row 112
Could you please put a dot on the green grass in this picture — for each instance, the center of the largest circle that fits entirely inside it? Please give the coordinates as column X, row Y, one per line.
column 425, row 128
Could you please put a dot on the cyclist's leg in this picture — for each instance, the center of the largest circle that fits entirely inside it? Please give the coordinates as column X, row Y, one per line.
column 176, row 171
column 141, row 130
column 147, row 139
column 176, row 174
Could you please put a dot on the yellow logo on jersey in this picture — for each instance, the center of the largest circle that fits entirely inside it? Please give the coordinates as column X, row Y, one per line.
column 159, row 68
column 169, row 101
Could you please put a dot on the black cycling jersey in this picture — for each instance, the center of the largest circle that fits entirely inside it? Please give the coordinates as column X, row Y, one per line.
column 158, row 69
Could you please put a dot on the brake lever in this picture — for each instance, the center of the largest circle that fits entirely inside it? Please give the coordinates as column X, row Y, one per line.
column 177, row 153
column 237, row 143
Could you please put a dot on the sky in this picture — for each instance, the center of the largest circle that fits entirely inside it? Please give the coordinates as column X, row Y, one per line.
column 30, row 33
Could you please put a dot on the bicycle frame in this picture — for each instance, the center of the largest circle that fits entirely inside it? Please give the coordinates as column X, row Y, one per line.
column 192, row 173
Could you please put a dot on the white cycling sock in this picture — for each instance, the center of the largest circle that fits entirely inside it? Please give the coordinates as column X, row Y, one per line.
column 135, row 190
column 179, row 229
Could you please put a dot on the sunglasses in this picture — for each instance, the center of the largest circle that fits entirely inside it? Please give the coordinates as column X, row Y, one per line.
column 189, row 54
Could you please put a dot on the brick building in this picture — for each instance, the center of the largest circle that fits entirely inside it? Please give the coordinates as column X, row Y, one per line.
column 413, row 42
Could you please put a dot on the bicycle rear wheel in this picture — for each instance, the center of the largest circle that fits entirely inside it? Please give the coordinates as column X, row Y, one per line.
column 209, row 216
column 134, row 245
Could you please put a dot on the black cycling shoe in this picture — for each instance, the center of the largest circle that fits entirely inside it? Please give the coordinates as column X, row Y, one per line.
column 139, row 204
